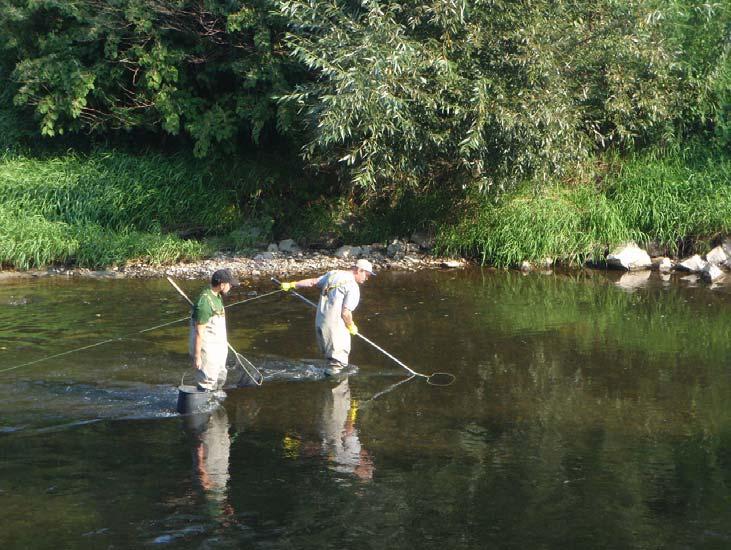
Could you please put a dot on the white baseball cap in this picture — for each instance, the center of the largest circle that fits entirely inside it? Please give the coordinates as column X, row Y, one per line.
column 365, row 265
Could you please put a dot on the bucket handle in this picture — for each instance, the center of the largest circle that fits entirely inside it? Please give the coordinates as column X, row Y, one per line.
column 182, row 378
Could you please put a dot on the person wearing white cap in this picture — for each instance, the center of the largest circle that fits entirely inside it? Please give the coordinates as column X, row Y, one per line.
column 339, row 296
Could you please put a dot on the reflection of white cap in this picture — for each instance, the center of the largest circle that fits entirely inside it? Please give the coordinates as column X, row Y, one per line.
column 365, row 265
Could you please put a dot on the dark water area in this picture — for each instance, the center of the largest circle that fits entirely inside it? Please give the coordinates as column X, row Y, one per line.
column 588, row 411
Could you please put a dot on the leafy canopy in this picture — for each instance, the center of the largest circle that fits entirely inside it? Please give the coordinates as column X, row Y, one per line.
column 206, row 68
column 488, row 93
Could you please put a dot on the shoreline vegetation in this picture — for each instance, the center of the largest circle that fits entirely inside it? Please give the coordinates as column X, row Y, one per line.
column 512, row 134
column 118, row 213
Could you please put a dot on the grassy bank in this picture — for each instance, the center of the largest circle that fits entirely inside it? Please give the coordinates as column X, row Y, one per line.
column 681, row 203
column 108, row 208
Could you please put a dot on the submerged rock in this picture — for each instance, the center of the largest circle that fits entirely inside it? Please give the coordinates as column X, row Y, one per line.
column 629, row 257
column 634, row 279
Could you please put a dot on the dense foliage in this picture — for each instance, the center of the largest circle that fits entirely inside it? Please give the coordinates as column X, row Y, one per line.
column 496, row 91
column 397, row 93
column 208, row 69
column 406, row 113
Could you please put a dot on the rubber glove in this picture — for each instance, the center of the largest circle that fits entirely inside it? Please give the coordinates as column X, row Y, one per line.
column 353, row 329
column 288, row 286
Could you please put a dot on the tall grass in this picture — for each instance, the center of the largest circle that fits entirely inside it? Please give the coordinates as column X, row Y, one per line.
column 108, row 208
column 31, row 241
column 569, row 224
column 117, row 191
column 679, row 202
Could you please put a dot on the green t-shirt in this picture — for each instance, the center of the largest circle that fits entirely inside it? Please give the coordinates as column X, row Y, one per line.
column 209, row 304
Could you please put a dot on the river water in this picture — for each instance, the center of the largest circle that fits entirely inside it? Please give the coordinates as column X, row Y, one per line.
column 588, row 411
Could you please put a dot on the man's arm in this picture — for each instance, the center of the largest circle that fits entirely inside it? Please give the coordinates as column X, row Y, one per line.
column 200, row 330
column 347, row 317
column 302, row 283
column 306, row 283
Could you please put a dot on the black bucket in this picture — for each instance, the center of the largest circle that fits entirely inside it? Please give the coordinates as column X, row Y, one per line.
column 191, row 399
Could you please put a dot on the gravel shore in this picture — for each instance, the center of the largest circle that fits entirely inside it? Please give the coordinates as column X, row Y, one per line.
column 261, row 264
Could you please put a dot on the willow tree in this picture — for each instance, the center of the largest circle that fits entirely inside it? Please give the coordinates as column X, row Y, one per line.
column 486, row 93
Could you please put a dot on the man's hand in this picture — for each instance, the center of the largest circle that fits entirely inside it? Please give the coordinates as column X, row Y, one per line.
column 353, row 329
column 288, row 286
column 198, row 363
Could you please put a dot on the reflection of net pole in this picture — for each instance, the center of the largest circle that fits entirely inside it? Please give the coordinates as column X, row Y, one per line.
column 435, row 379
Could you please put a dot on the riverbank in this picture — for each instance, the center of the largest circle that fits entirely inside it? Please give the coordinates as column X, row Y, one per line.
column 398, row 256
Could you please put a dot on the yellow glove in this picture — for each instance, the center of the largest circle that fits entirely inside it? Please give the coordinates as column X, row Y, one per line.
column 288, row 286
column 353, row 329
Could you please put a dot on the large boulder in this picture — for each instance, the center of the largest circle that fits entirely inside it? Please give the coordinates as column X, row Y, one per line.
column 711, row 273
column 629, row 257
column 727, row 246
column 694, row 264
column 717, row 256
column 665, row 265
column 425, row 241
column 395, row 248
column 288, row 245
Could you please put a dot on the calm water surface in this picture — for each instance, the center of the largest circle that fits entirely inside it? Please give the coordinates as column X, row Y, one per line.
column 589, row 411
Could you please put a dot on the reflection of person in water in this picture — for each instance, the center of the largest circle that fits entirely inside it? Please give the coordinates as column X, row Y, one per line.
column 211, row 458
column 340, row 436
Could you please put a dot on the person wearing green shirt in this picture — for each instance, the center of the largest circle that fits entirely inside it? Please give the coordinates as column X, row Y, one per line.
column 208, row 345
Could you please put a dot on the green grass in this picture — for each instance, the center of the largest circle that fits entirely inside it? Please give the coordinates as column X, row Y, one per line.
column 110, row 207
column 116, row 190
column 30, row 241
column 681, row 203
column 570, row 224
column 107, row 209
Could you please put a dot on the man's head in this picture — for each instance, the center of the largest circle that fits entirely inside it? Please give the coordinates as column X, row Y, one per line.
column 362, row 270
column 223, row 280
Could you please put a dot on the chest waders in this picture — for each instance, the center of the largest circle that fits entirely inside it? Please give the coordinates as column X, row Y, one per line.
column 333, row 337
column 214, row 349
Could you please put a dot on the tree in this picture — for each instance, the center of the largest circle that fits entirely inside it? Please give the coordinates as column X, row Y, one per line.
column 207, row 69
column 485, row 93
